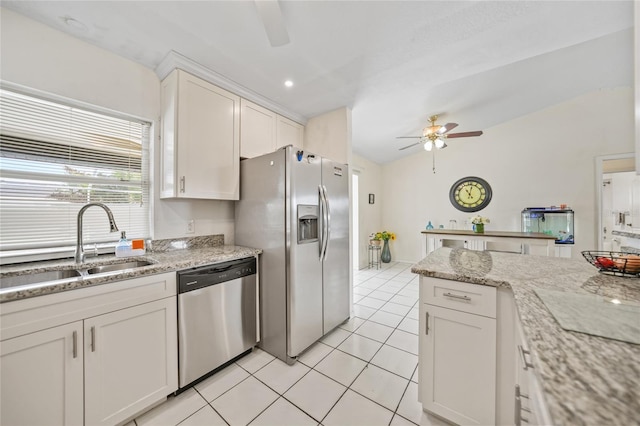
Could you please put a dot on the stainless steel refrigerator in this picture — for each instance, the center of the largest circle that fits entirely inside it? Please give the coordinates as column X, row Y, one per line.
column 294, row 205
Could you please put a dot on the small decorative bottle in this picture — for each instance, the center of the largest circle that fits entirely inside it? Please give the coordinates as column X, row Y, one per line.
column 429, row 225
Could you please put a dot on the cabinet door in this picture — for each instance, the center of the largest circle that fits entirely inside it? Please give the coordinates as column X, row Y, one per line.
column 41, row 375
column 130, row 360
column 208, row 140
column 289, row 133
column 458, row 365
column 257, row 130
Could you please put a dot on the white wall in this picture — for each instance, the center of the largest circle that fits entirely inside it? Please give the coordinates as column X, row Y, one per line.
column 329, row 135
column 542, row 159
column 43, row 58
column 369, row 215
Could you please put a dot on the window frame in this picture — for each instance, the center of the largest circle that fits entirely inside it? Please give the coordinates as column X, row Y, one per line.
column 63, row 251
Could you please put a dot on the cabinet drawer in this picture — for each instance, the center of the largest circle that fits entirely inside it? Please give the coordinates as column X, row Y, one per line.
column 472, row 298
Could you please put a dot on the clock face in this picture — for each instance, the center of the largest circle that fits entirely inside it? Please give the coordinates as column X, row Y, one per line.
column 470, row 194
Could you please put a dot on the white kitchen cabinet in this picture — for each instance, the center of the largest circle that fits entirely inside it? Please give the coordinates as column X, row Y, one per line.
column 129, row 361
column 289, row 133
column 458, row 351
column 529, row 405
column 200, row 139
column 257, row 130
column 41, row 376
column 263, row 131
column 98, row 355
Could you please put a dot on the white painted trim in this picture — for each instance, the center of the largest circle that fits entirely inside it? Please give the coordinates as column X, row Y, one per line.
column 599, row 160
column 175, row 60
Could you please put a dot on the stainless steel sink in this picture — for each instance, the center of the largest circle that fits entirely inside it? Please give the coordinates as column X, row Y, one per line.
column 69, row 274
column 118, row 267
column 26, row 279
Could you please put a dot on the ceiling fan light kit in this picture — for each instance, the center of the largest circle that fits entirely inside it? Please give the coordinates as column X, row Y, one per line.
column 435, row 135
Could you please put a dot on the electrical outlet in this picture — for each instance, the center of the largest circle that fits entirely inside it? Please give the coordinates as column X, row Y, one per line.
column 191, row 226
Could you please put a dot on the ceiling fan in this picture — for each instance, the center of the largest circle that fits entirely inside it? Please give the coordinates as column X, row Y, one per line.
column 435, row 135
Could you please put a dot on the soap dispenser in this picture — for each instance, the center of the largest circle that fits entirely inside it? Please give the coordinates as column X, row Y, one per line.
column 123, row 248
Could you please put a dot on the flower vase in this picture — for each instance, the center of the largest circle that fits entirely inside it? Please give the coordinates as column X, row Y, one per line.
column 386, row 253
column 478, row 228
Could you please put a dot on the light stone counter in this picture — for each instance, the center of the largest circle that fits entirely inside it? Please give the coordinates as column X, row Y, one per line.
column 168, row 255
column 585, row 379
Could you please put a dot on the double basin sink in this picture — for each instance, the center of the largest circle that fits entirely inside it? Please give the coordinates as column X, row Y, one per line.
column 71, row 273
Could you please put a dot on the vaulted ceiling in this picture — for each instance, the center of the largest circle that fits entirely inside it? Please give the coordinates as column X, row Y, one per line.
column 479, row 63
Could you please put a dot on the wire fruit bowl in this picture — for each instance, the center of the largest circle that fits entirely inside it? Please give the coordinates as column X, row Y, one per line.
column 614, row 262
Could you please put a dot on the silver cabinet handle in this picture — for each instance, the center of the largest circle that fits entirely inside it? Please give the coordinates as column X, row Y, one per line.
column 426, row 331
column 519, row 394
column 518, row 419
column 455, row 296
column 182, row 184
column 75, row 344
column 524, row 352
column 93, row 339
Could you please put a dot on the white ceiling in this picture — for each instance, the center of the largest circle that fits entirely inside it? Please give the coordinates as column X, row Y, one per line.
column 480, row 63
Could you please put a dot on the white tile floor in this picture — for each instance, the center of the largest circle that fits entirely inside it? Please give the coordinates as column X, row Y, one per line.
column 363, row 373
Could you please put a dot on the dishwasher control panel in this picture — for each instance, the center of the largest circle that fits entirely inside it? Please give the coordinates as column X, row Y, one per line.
column 204, row 276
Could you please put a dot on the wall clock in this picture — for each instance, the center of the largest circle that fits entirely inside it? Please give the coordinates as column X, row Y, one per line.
column 470, row 194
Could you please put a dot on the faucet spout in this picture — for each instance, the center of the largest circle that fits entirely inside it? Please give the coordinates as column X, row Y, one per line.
column 80, row 254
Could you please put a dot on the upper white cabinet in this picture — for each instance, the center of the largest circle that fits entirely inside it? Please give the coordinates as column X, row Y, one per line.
column 200, row 139
column 289, row 133
column 263, row 131
column 257, row 130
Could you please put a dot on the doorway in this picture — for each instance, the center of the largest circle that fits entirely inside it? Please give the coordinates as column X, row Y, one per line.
column 618, row 196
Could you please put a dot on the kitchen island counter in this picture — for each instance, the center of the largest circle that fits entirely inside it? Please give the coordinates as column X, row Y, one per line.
column 585, row 379
column 168, row 255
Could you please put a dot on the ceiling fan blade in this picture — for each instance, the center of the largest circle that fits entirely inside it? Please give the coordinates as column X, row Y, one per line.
column 409, row 146
column 464, row 134
column 271, row 16
column 408, row 137
column 447, row 127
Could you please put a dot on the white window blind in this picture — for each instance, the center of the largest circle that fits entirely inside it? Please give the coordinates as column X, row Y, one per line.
column 54, row 159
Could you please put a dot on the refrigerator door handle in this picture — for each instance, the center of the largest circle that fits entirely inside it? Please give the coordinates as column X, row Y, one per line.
column 322, row 221
column 327, row 225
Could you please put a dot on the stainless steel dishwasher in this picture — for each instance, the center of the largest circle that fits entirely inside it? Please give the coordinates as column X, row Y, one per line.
column 216, row 316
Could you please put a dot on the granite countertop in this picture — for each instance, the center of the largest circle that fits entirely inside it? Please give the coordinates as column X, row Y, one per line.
column 168, row 255
column 585, row 379
column 504, row 234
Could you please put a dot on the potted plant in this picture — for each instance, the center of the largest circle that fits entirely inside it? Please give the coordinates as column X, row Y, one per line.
column 384, row 236
column 375, row 239
column 478, row 223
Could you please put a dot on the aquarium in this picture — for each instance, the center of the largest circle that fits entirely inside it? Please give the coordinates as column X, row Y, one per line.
column 550, row 221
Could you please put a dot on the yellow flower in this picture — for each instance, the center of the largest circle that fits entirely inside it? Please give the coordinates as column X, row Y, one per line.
column 384, row 235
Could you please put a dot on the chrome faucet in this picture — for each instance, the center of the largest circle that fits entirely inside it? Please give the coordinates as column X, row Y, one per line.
column 80, row 254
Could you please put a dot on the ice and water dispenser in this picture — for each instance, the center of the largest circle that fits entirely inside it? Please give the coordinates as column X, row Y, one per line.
column 307, row 223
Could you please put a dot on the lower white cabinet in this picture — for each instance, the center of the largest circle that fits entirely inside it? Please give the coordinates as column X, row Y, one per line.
column 42, row 377
column 457, row 352
column 529, row 405
column 116, row 358
column 129, row 361
column 459, row 369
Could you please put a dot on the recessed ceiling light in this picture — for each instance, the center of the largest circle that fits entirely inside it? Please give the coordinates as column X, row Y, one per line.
column 74, row 23
column 288, row 83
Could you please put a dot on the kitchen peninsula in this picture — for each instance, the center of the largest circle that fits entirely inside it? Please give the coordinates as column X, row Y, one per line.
column 434, row 238
column 579, row 378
